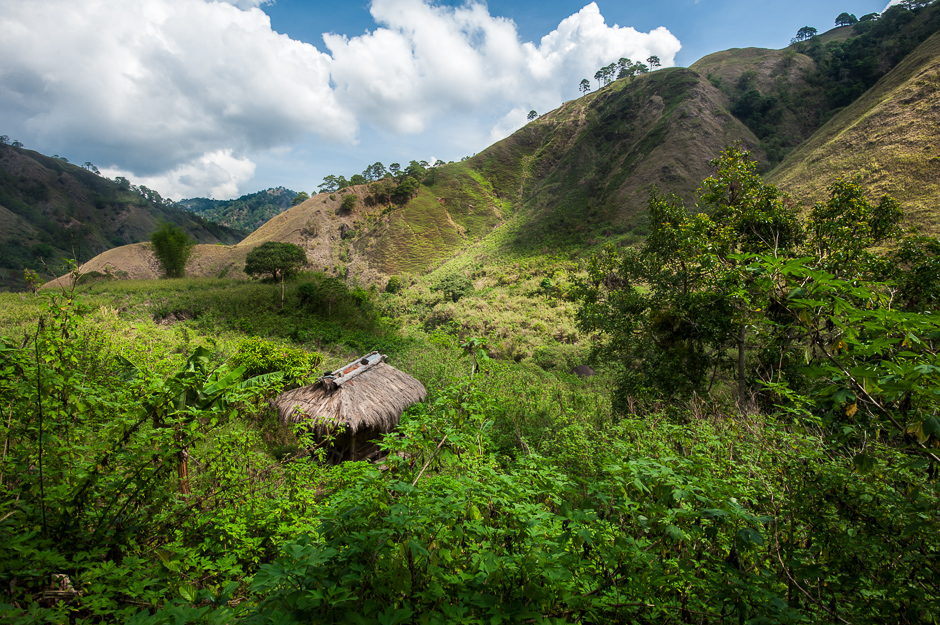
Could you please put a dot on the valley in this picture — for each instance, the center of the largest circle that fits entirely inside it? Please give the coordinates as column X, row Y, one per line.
column 744, row 252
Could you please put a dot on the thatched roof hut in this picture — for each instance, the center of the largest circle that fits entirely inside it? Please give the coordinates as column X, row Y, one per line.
column 355, row 404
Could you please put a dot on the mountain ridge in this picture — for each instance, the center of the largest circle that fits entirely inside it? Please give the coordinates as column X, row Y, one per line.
column 580, row 176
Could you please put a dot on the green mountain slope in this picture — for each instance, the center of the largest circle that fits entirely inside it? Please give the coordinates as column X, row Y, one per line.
column 784, row 96
column 50, row 210
column 889, row 136
column 249, row 212
column 585, row 170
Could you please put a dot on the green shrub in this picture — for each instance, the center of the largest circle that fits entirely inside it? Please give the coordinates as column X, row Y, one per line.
column 393, row 285
column 172, row 247
column 259, row 356
column 454, row 287
column 323, row 294
column 349, row 203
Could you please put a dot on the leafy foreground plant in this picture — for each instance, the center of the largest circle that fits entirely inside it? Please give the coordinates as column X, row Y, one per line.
column 508, row 497
column 702, row 535
column 139, row 488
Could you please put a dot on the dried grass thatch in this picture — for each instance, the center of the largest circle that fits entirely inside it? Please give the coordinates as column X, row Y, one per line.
column 372, row 401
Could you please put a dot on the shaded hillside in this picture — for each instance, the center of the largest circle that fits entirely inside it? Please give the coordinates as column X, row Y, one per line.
column 248, row 212
column 889, row 136
column 769, row 91
column 50, row 210
column 585, row 170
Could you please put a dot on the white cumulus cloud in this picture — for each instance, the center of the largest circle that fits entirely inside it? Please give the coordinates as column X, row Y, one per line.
column 185, row 95
column 217, row 174
column 427, row 60
column 150, row 85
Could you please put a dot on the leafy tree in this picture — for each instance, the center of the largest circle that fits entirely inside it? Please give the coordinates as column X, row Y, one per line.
column 16, row 144
column 807, row 32
column 4, row 139
column 532, row 115
column 395, row 168
column 382, row 190
column 281, row 260
column 330, row 184
column 846, row 227
column 417, row 170
column 624, row 66
column 672, row 311
column 796, row 300
column 357, row 179
column 405, row 190
column 454, row 287
column 585, row 86
column 610, row 73
column 373, row 172
column 868, row 17
column 91, row 167
column 172, row 247
column 300, row 198
column 653, row 61
column 846, row 19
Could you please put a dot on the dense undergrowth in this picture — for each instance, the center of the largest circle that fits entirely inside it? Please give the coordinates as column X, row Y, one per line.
column 519, row 495
column 140, row 456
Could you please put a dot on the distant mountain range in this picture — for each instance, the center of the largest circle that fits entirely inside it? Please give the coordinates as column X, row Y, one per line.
column 249, row 212
column 859, row 100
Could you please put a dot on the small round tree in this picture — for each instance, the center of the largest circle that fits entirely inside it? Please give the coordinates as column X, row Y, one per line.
column 279, row 259
column 846, row 19
column 807, row 32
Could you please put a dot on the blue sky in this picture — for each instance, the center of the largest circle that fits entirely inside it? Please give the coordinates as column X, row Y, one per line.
column 213, row 98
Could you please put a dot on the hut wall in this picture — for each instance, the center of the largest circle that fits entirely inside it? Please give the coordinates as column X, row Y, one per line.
column 359, row 446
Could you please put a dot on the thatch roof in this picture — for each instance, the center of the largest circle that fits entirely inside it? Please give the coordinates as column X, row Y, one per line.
column 373, row 400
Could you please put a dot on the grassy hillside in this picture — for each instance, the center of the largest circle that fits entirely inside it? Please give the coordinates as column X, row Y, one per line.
column 784, row 96
column 770, row 92
column 574, row 177
column 580, row 176
column 51, row 209
column 583, row 172
column 889, row 137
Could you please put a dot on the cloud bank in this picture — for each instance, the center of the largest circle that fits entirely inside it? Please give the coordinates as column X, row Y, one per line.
column 183, row 94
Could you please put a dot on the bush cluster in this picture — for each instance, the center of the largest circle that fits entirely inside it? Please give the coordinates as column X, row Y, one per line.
column 259, row 356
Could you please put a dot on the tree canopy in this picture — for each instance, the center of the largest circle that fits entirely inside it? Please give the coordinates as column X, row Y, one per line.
column 277, row 258
column 846, row 19
column 696, row 301
column 807, row 32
